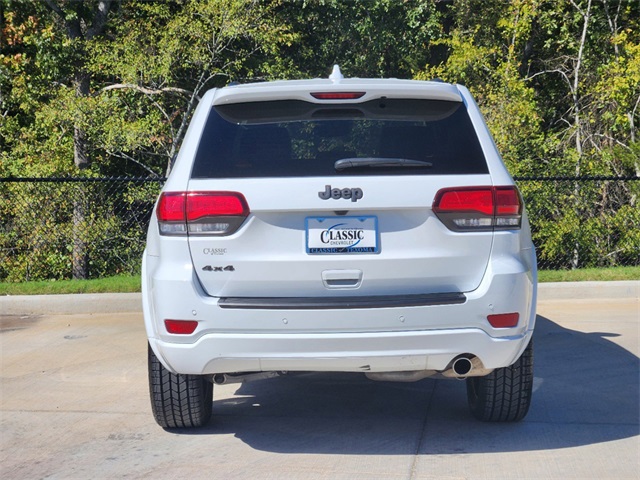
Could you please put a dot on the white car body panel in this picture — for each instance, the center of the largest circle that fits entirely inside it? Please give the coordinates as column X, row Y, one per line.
column 300, row 90
column 418, row 253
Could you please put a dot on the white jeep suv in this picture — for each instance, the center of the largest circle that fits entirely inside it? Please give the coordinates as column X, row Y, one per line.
column 339, row 225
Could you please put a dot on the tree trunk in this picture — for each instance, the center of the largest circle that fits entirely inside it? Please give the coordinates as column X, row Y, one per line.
column 586, row 16
column 79, row 254
column 80, row 146
column 76, row 21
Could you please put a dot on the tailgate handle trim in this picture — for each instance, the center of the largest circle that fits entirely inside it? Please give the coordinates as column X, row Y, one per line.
column 342, row 278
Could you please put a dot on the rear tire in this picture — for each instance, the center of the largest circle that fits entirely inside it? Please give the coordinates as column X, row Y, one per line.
column 505, row 394
column 178, row 401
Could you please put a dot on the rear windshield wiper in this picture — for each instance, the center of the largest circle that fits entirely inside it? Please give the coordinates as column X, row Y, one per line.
column 375, row 162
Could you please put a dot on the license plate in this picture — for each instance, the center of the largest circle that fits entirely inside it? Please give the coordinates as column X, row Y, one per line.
column 342, row 235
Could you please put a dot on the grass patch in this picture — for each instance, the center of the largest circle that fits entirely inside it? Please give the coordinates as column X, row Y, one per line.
column 119, row 284
column 590, row 274
column 123, row 284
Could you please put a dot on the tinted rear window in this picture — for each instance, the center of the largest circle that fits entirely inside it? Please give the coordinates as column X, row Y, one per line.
column 293, row 138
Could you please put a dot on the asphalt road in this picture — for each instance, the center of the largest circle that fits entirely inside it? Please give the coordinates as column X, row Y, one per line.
column 74, row 404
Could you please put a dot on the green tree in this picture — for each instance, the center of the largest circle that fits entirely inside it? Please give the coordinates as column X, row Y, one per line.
column 558, row 84
column 488, row 50
column 159, row 60
column 82, row 22
column 376, row 38
column 102, row 88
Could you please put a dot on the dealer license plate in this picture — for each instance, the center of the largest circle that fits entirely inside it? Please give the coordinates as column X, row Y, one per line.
column 342, row 235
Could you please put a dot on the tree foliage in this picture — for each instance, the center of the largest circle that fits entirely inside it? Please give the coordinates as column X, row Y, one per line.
column 559, row 86
column 102, row 87
column 376, row 38
column 129, row 86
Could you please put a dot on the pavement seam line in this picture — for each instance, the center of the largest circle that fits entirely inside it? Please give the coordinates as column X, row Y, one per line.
column 423, row 429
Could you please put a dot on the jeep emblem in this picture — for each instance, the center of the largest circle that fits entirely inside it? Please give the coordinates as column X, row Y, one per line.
column 354, row 194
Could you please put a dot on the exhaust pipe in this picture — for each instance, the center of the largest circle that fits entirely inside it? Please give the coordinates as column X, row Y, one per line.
column 466, row 365
column 462, row 367
column 226, row 378
column 411, row 376
column 220, row 379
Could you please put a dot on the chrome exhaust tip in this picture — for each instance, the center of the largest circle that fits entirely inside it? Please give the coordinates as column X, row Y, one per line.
column 462, row 366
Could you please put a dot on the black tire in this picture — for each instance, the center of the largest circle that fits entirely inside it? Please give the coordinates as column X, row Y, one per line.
column 505, row 394
column 178, row 401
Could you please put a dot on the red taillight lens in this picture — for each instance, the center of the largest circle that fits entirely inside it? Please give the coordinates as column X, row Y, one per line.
column 504, row 320
column 181, row 327
column 203, row 204
column 337, row 95
column 508, row 208
column 171, row 213
column 206, row 213
column 479, row 208
column 171, row 207
column 465, row 200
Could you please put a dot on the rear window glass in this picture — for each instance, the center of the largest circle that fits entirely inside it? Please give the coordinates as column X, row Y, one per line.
column 294, row 138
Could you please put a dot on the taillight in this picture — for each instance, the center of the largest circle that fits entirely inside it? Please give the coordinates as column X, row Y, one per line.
column 337, row 95
column 201, row 213
column 479, row 208
column 508, row 207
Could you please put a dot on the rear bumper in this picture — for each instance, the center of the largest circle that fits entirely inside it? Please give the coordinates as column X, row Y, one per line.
column 344, row 352
column 388, row 339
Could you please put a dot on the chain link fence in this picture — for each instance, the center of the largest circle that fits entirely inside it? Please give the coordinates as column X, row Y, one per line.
column 59, row 228
column 583, row 222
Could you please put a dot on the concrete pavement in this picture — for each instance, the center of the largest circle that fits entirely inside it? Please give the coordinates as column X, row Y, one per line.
column 74, row 404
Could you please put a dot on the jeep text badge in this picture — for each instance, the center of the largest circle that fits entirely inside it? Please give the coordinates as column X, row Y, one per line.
column 354, row 194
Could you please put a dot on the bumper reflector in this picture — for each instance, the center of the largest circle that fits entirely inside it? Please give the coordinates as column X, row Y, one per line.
column 504, row 320
column 181, row 327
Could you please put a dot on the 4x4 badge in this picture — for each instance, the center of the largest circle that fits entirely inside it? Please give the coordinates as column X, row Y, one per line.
column 354, row 194
column 228, row 268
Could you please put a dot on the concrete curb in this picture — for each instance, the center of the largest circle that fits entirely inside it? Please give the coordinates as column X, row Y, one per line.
column 588, row 290
column 89, row 303
column 85, row 303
